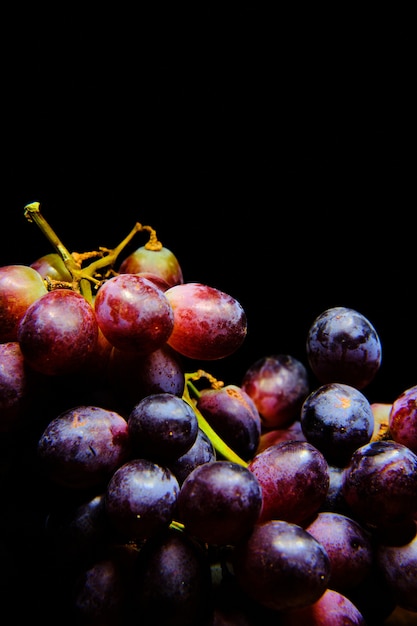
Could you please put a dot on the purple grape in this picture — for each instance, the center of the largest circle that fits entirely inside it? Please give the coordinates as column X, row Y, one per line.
column 348, row 545
column 219, row 502
column 232, row 413
column 132, row 377
column 380, row 483
column 171, row 583
column 398, row 566
column 162, row 427
column 281, row 566
column 278, row 385
column 141, row 499
column 337, row 419
column 402, row 420
column 294, row 479
column 83, row 446
column 343, row 347
column 202, row 451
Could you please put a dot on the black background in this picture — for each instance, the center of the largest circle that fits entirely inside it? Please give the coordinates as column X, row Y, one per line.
column 272, row 151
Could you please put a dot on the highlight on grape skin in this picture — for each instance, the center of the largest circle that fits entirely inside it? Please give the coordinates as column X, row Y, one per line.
column 208, row 323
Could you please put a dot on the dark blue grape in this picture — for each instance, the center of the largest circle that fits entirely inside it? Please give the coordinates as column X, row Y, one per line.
column 219, row 502
column 202, row 451
column 281, row 566
column 141, row 499
column 337, row 419
column 162, row 427
column 379, row 483
column 344, row 347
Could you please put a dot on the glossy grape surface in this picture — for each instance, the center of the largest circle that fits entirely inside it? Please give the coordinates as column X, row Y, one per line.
column 162, row 427
column 234, row 416
column 380, row 483
column 278, row 385
column 162, row 263
column 133, row 313
column 219, row 502
column 20, row 286
column 282, row 566
column 208, row 323
column 58, row 332
column 294, row 479
column 83, row 446
column 331, row 609
column 202, row 451
column 141, row 499
column 51, row 266
column 348, row 545
column 337, row 419
column 344, row 347
column 402, row 419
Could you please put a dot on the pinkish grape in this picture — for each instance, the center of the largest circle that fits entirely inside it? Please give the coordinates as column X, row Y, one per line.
column 162, row 263
column 133, row 313
column 402, row 419
column 208, row 323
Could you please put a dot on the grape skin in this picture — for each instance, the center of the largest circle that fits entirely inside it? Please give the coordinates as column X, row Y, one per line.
column 162, row 263
column 202, row 451
column 133, row 313
column 278, row 385
column 81, row 447
column 14, row 386
column 231, row 412
column 379, row 483
column 281, row 566
column 219, row 502
column 348, row 545
column 162, row 427
column 337, row 419
column 402, row 419
column 208, row 323
column 331, row 609
column 20, row 286
column 294, row 478
column 141, row 499
column 58, row 332
column 343, row 346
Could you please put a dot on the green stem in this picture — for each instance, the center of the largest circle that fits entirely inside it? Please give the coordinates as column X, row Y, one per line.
column 219, row 445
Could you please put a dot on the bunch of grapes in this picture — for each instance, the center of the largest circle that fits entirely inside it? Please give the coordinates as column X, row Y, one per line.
column 139, row 489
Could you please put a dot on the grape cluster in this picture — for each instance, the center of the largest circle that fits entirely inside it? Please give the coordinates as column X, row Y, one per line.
column 139, row 489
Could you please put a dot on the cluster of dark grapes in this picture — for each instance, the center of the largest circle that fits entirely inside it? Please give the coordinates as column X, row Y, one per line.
column 139, row 489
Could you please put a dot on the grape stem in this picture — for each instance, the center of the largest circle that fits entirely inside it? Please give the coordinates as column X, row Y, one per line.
column 84, row 277
column 219, row 445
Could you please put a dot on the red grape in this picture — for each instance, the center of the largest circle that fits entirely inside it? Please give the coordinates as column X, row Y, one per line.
column 14, row 386
column 294, row 478
column 51, row 266
column 20, row 286
column 331, row 609
column 133, row 313
column 208, row 323
column 234, row 416
column 58, row 332
column 162, row 263
column 402, row 419
column 278, row 385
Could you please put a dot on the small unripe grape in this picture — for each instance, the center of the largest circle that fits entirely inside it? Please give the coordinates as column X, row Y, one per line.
column 162, row 263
